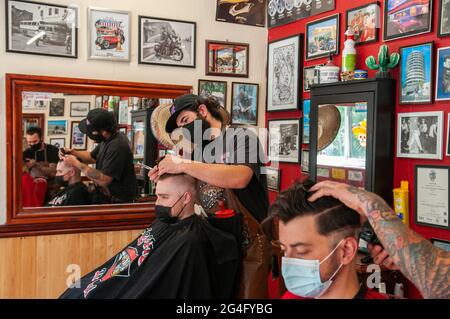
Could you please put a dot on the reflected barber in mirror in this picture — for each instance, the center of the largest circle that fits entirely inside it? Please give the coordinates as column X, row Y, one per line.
column 114, row 176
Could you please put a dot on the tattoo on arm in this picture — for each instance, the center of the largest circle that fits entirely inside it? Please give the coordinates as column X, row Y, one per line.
column 91, row 173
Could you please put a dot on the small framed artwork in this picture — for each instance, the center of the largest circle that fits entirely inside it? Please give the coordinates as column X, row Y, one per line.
column 41, row 28
column 58, row 142
column 123, row 130
column 416, row 68
column 419, row 135
column 284, row 140
column 57, row 107
column 78, row 140
column 305, row 161
column 249, row 12
column 227, row 59
column 443, row 74
column 167, row 42
column 448, row 136
column 79, row 109
column 322, row 37
column 442, row 244
column 244, row 106
column 273, row 179
column 109, row 34
column 406, row 18
column 309, row 77
column 444, row 18
column 306, row 111
column 218, row 89
column 56, row 127
column 32, row 120
column 365, row 22
column 123, row 112
column 284, row 80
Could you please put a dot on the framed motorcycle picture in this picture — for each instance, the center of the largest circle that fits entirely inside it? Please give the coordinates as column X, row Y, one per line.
column 167, row 42
column 108, row 34
column 227, row 59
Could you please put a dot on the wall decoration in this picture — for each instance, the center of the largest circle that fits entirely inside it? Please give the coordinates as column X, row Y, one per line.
column 306, row 111
column 218, row 89
column 448, row 136
column 385, row 62
column 281, row 12
column 404, row 18
column 284, row 140
column 58, row 142
column 56, row 127
column 167, row 42
column 443, row 74
column 108, row 34
column 309, row 77
column 247, row 12
column 416, row 74
column 419, row 135
column 227, row 59
column 36, row 100
column 305, row 161
column 41, row 28
column 444, row 18
column 78, row 140
column 442, row 244
column 57, row 107
column 244, row 107
column 124, row 110
column 322, row 37
column 364, row 20
column 284, row 80
column 32, row 120
column 79, row 109
column 273, row 178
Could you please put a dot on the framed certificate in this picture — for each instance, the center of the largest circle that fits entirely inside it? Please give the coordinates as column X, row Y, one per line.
column 442, row 244
column 432, row 195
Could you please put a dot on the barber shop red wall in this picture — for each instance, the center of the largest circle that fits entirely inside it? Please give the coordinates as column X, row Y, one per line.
column 404, row 168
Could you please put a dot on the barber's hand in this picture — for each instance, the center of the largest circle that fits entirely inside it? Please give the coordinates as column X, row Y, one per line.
column 153, row 174
column 381, row 257
column 171, row 165
column 67, row 150
column 71, row 160
column 29, row 163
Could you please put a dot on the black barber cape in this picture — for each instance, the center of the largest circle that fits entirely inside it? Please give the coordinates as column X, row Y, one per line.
column 188, row 259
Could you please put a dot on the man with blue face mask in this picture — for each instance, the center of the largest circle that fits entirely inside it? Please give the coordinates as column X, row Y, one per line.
column 320, row 242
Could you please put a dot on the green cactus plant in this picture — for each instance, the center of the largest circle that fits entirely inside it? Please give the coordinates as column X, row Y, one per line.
column 385, row 62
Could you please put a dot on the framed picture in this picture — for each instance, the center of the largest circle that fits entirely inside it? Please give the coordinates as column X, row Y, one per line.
column 306, row 111
column 32, row 120
column 109, row 34
column 406, row 18
column 322, row 37
column 167, row 42
column 244, row 106
column 124, row 111
column 273, row 179
column 416, row 69
column 443, row 74
column 432, row 196
column 442, row 244
column 58, row 142
column 78, row 140
column 79, row 109
column 309, row 77
column 57, row 107
column 41, row 28
column 56, row 127
column 218, row 89
column 419, row 135
column 227, row 59
column 284, row 140
column 250, row 12
column 448, row 136
column 365, row 22
column 123, row 130
column 444, row 18
column 284, row 80
column 305, row 161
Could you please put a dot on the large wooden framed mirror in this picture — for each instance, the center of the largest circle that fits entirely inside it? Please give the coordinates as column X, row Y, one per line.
column 57, row 104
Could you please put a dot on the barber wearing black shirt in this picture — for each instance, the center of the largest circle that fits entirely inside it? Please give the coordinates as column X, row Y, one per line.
column 114, row 174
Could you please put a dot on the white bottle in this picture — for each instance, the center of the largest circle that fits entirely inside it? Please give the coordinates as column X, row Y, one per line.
column 349, row 52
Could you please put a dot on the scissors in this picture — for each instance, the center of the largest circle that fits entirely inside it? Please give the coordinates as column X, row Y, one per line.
column 145, row 166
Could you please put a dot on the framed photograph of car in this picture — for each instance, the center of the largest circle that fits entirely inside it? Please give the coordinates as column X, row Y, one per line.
column 227, row 59
column 322, row 37
column 109, row 34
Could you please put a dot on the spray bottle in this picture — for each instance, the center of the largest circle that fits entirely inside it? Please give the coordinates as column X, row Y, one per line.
column 349, row 52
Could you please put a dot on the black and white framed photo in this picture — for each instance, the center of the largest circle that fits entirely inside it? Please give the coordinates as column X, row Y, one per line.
column 305, row 161
column 58, row 142
column 78, row 140
column 248, row 12
column 217, row 89
column 79, row 109
column 365, row 21
column 443, row 74
column 322, row 37
column 41, row 28
column 244, row 106
column 273, row 178
column 444, row 18
column 419, row 135
column 109, row 34
column 284, row 80
column 406, row 18
column 416, row 74
column 309, row 77
column 284, row 140
column 432, row 195
column 56, row 107
column 167, row 42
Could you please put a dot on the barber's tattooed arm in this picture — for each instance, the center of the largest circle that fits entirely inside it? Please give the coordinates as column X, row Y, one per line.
column 425, row 265
column 95, row 175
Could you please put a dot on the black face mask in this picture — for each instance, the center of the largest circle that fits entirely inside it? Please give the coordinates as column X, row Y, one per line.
column 97, row 138
column 164, row 213
column 36, row 147
column 199, row 125
column 59, row 180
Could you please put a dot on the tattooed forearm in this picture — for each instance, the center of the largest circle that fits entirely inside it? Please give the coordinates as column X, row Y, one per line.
column 95, row 175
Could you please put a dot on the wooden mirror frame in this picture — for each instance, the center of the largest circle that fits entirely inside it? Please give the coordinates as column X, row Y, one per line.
column 55, row 220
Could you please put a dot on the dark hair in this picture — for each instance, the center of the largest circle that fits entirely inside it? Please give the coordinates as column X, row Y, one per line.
column 34, row 130
column 211, row 103
column 331, row 215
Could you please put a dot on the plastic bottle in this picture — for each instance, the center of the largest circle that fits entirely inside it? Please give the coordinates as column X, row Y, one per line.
column 349, row 52
column 401, row 202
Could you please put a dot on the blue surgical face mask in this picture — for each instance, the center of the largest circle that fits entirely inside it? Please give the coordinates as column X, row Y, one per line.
column 302, row 276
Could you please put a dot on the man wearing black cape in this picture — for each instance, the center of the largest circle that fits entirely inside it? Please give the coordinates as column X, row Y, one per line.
column 181, row 255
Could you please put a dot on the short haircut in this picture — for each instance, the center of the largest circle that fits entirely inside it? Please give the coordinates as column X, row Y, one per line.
column 331, row 216
column 34, row 130
column 188, row 180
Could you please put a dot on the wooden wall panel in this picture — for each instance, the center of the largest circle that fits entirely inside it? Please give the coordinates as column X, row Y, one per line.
column 35, row 267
